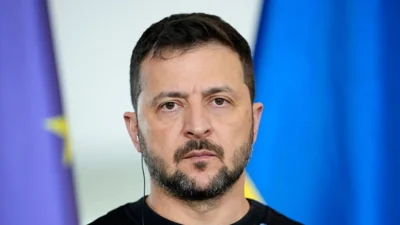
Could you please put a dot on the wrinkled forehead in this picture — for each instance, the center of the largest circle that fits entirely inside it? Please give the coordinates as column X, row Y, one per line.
column 192, row 71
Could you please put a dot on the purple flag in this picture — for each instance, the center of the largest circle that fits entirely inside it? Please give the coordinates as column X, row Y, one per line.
column 36, row 184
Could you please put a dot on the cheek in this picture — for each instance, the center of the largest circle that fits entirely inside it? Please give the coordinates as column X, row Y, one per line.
column 234, row 125
column 162, row 139
column 233, row 132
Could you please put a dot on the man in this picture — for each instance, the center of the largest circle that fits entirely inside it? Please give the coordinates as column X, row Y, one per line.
column 195, row 121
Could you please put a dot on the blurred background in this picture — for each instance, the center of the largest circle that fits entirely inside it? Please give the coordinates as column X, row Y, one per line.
column 328, row 151
column 93, row 41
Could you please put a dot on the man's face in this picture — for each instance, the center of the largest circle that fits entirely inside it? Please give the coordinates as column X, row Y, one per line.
column 196, row 122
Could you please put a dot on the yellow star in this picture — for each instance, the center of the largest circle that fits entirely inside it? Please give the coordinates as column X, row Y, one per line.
column 58, row 126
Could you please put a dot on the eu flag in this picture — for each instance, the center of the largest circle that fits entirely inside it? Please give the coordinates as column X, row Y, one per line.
column 35, row 174
column 328, row 73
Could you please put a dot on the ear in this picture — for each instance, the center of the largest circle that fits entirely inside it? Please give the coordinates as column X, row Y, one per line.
column 257, row 111
column 131, row 124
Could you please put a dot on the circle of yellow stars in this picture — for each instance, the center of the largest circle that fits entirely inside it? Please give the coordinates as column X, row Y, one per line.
column 58, row 126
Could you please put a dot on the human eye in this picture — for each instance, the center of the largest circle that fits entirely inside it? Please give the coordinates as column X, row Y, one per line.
column 220, row 102
column 169, row 106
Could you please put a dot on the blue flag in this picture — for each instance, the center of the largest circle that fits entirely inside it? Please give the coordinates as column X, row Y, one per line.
column 328, row 73
column 35, row 157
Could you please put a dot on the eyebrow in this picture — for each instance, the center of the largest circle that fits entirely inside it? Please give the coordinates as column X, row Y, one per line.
column 169, row 94
column 183, row 95
column 215, row 90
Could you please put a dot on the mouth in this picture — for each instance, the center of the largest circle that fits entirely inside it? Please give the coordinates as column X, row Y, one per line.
column 199, row 154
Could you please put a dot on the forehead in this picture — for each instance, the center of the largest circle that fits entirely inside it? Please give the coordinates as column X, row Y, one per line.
column 196, row 69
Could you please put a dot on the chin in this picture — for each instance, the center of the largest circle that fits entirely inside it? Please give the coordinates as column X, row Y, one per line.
column 203, row 178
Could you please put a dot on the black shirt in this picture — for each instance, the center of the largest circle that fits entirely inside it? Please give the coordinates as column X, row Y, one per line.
column 131, row 214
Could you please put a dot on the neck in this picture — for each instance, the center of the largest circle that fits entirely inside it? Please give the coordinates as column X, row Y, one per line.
column 226, row 209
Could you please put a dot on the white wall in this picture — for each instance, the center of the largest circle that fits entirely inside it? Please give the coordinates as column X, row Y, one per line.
column 94, row 40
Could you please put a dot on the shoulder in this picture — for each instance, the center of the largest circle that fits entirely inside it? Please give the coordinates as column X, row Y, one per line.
column 273, row 217
column 279, row 219
column 122, row 215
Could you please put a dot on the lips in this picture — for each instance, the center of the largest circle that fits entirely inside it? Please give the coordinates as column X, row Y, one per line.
column 200, row 153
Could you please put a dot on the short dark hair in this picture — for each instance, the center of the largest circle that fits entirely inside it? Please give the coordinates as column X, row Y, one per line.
column 183, row 32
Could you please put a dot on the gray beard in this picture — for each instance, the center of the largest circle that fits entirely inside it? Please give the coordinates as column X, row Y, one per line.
column 181, row 186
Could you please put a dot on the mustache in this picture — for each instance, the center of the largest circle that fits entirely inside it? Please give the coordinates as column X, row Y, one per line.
column 193, row 145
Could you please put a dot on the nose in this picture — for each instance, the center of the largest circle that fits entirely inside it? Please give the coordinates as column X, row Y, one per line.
column 197, row 124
